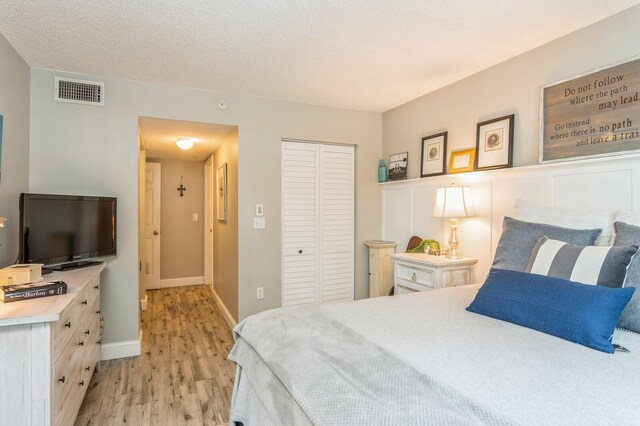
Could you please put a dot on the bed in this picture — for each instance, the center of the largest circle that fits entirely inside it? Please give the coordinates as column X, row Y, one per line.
column 422, row 358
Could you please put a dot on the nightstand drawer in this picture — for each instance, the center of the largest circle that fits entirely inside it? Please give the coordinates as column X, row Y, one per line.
column 410, row 287
column 415, row 275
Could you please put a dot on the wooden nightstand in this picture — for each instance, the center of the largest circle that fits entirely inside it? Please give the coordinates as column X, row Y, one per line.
column 423, row 272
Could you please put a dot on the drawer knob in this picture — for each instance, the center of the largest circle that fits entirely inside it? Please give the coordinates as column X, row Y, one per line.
column 413, row 277
column 96, row 287
column 87, row 332
column 81, row 343
column 99, row 342
column 81, row 383
column 62, row 379
column 68, row 324
column 98, row 311
column 300, row 251
column 84, row 302
column 87, row 368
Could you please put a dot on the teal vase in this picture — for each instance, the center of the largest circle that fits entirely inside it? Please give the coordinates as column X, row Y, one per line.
column 382, row 172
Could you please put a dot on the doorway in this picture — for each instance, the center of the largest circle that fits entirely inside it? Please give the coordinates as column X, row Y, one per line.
column 177, row 201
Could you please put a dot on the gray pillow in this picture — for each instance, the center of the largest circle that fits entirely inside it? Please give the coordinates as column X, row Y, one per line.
column 627, row 234
column 519, row 237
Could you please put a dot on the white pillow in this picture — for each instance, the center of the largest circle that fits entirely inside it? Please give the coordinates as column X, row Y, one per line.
column 627, row 216
column 569, row 218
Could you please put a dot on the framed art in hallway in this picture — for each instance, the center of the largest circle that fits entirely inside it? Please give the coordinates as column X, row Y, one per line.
column 221, row 197
column 462, row 161
column 494, row 143
column 398, row 166
column 434, row 155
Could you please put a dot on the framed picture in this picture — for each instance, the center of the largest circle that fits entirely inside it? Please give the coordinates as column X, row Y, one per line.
column 221, row 185
column 398, row 166
column 494, row 143
column 434, row 155
column 462, row 161
column 591, row 115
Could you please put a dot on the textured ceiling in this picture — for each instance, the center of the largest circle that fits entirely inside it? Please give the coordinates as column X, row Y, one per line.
column 361, row 54
column 159, row 137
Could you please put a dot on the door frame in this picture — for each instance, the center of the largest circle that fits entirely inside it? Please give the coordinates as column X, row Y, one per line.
column 153, row 231
column 209, row 192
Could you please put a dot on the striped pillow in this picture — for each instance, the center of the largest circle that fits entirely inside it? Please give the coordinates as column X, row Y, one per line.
column 601, row 265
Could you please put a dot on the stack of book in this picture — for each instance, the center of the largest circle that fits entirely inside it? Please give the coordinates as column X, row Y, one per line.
column 15, row 292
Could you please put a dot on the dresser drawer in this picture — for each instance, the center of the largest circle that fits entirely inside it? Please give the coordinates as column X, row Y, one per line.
column 415, row 275
column 68, row 324
column 65, row 406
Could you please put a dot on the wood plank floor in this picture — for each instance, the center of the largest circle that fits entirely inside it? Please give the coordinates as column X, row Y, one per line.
column 182, row 377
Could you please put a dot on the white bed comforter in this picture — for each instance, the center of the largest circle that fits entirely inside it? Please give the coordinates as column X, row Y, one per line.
column 422, row 359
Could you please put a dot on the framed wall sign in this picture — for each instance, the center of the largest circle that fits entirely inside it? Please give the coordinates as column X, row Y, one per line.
column 462, row 161
column 494, row 143
column 221, row 192
column 434, row 155
column 398, row 166
column 592, row 115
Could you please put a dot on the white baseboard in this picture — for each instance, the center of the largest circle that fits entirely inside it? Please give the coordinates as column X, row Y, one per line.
column 224, row 311
column 121, row 349
column 179, row 282
column 144, row 302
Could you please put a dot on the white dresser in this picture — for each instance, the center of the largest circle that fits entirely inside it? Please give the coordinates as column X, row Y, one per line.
column 380, row 267
column 423, row 272
column 49, row 348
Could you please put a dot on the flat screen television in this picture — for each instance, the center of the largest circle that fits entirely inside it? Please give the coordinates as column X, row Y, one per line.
column 66, row 229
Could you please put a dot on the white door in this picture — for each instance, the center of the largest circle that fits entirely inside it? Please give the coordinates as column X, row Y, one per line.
column 208, row 220
column 317, row 223
column 152, row 225
column 337, row 222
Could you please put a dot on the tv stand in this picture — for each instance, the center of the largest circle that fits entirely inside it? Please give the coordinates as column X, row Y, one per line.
column 72, row 265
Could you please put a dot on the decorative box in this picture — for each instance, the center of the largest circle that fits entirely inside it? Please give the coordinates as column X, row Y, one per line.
column 21, row 273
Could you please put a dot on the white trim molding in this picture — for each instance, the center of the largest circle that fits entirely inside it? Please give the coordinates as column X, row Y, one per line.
column 223, row 310
column 121, row 349
column 179, row 282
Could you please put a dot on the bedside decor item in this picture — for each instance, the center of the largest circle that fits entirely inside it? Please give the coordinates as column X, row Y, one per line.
column 382, row 172
column 434, row 155
column 431, row 247
column 494, row 143
column 2, row 221
column 592, row 115
column 398, row 166
column 453, row 202
column 181, row 188
column 221, row 185
column 462, row 161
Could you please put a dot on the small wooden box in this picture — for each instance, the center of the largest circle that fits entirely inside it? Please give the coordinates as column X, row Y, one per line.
column 21, row 273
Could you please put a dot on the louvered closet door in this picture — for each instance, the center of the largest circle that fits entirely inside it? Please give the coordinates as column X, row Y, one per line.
column 317, row 223
column 337, row 222
column 300, row 214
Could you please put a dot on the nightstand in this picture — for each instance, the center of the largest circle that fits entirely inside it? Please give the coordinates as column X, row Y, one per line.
column 423, row 272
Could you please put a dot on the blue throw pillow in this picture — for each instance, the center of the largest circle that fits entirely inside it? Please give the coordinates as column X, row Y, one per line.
column 580, row 313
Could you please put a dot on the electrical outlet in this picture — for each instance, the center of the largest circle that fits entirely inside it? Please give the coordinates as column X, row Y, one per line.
column 260, row 293
column 259, row 222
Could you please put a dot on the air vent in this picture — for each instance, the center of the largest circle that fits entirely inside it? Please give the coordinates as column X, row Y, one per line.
column 79, row 91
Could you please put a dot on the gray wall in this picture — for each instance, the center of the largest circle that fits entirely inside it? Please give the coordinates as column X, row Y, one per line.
column 181, row 239
column 93, row 150
column 225, row 234
column 510, row 87
column 14, row 170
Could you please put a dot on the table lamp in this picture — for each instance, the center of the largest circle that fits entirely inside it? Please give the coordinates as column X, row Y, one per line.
column 453, row 202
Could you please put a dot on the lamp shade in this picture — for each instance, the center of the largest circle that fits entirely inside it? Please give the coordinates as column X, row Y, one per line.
column 453, row 201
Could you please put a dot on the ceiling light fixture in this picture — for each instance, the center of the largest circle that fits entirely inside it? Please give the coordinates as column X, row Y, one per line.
column 184, row 143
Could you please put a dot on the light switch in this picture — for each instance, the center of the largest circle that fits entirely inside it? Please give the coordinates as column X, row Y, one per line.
column 259, row 210
column 194, row 217
column 259, row 222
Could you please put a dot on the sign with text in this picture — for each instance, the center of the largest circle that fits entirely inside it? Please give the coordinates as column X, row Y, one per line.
column 593, row 115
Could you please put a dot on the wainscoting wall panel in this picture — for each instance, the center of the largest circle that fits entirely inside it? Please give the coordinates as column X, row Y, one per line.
column 597, row 184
